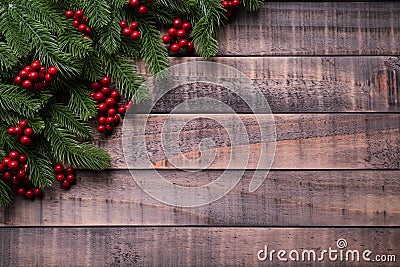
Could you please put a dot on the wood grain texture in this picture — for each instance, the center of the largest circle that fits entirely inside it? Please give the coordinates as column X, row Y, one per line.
column 286, row 198
column 308, row 141
column 152, row 246
column 310, row 28
column 300, row 84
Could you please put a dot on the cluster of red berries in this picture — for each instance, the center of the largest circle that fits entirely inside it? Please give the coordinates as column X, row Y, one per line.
column 130, row 30
column 22, row 132
column 230, row 6
column 66, row 176
column 142, row 9
column 15, row 172
column 35, row 76
column 178, row 35
column 108, row 108
column 79, row 22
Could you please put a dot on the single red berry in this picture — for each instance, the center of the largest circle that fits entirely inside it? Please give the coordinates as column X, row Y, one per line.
column 52, row 71
column 21, row 191
column 65, row 185
column 60, row 177
column 166, row 39
column 127, row 106
column 172, row 32
column 82, row 28
column 6, row 161
column 134, row 25
column 15, row 180
column 27, row 84
column 18, row 80
column 99, row 96
column 110, row 102
column 58, row 168
column 29, row 194
column 24, row 74
column 105, row 91
column 101, row 128
column 43, row 69
column 235, row 3
column 102, row 107
column 17, row 130
column 178, row 23
column 23, row 124
column 135, row 35
column 117, row 119
column 92, row 95
column 175, row 48
column 27, row 69
column 48, row 78
column 76, row 23
column 190, row 46
column 105, row 81
column 10, row 131
column 70, row 178
column 21, row 174
column 26, row 141
column 88, row 31
column 101, row 120
column 38, row 86
column 123, row 24
column 84, row 19
column 35, row 65
column 183, row 43
column 121, row 110
column 134, row 3
column 226, row 4
column 187, row 26
column 69, row 14
column 28, row 132
column 110, row 120
column 78, row 14
column 115, row 94
column 142, row 10
column 13, row 155
column 7, row 176
column 33, row 76
column 23, row 159
column 37, row 192
column 96, row 86
column 111, row 112
column 13, row 165
column 181, row 34
column 109, row 128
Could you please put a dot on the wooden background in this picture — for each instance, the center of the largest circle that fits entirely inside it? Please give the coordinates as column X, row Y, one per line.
column 327, row 71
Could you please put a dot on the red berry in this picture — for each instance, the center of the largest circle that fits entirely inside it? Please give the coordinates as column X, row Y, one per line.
column 105, row 81
column 28, row 132
column 43, row 69
column 82, row 28
column 101, row 128
column 26, row 141
column 70, row 178
column 15, row 180
column 37, row 192
column 84, row 19
column 65, row 185
column 178, row 23
column 18, row 80
column 226, row 4
column 10, row 131
column 52, row 71
column 134, row 25
column 102, row 107
column 13, row 155
column 166, row 39
column 29, row 194
column 105, row 91
column 35, row 65
column 121, row 110
column 111, row 112
column 46, row 84
column 181, row 33
column 135, row 35
column 48, row 78
column 99, row 97
column 69, row 14
column 24, row 74
column 123, row 24
column 27, row 84
column 187, row 26
column 23, row 124
column 110, row 120
column 175, row 48
column 127, row 106
column 21, row 191
column 183, row 43
column 235, row 3
column 115, row 94
column 190, row 46
column 127, row 32
column 88, row 30
column 58, row 168
column 38, row 86
column 21, row 174
column 7, row 176
column 23, row 159
column 6, row 161
column 13, row 165
column 27, row 69
column 134, row 3
column 33, row 76
column 110, row 102
column 78, row 14
column 172, row 32
column 117, row 119
column 101, row 120
column 17, row 130
column 109, row 128
column 76, row 23
column 142, row 10
column 96, row 86
column 1, row 167
column 60, row 177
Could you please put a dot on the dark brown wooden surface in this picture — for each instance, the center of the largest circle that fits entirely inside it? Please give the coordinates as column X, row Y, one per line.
column 328, row 72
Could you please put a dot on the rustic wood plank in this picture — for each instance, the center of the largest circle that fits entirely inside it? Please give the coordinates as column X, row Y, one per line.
column 151, row 246
column 286, row 198
column 300, row 84
column 314, row 28
column 309, row 141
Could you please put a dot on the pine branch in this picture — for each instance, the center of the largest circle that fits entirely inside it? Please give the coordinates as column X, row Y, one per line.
column 98, row 12
column 252, row 5
column 6, row 195
column 92, row 67
column 110, row 37
column 7, row 58
column 71, row 42
column 81, row 104
column 15, row 99
column 41, row 173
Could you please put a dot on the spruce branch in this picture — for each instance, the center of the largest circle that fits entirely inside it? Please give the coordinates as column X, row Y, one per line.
column 110, row 37
column 81, row 104
column 7, row 58
column 252, row 5
column 14, row 99
column 6, row 195
column 98, row 12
